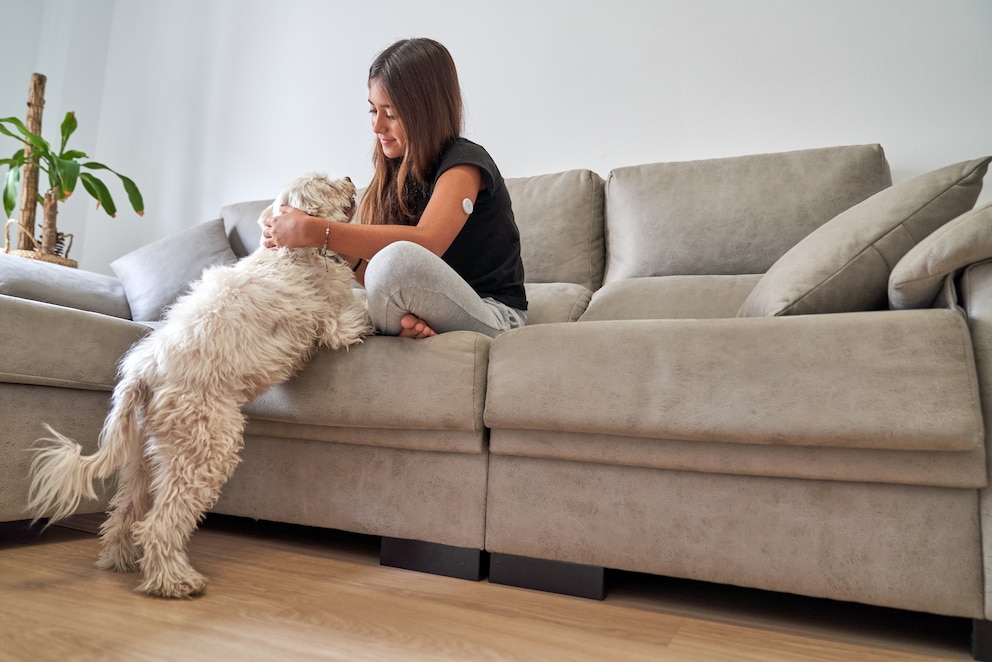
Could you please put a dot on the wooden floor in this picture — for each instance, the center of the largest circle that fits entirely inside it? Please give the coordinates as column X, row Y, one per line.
column 291, row 593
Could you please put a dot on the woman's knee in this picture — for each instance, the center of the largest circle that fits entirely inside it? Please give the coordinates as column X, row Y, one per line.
column 398, row 261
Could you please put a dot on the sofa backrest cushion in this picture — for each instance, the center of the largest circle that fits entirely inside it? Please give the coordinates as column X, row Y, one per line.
column 157, row 274
column 37, row 280
column 917, row 278
column 241, row 223
column 560, row 217
column 844, row 265
column 732, row 215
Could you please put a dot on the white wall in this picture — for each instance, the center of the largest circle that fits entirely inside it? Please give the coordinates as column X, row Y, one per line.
column 208, row 102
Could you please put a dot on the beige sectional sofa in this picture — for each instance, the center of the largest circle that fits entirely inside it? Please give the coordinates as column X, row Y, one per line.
column 769, row 371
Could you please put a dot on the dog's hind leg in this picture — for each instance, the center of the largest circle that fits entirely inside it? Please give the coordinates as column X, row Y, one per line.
column 187, row 477
column 119, row 550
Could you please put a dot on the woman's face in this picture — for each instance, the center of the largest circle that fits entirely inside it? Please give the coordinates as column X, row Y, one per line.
column 385, row 125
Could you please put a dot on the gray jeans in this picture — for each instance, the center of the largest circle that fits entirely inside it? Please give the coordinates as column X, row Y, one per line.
column 407, row 278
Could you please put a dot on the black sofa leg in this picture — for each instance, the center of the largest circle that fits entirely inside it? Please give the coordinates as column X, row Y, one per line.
column 576, row 579
column 433, row 558
column 981, row 640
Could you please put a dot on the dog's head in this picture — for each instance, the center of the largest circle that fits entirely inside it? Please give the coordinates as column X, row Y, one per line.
column 318, row 195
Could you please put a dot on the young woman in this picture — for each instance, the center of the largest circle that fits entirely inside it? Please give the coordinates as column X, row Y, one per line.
column 437, row 247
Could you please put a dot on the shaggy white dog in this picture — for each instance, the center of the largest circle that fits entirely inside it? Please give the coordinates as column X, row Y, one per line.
column 175, row 426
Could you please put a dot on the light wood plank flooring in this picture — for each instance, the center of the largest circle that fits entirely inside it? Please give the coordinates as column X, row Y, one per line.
column 291, row 593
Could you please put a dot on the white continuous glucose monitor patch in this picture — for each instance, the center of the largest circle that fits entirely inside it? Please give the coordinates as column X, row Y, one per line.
column 467, row 206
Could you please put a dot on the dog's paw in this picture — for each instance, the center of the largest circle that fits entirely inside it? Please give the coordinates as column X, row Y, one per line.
column 188, row 586
column 119, row 558
column 117, row 563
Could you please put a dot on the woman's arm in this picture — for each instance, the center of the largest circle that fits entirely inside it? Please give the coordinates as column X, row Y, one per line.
column 440, row 223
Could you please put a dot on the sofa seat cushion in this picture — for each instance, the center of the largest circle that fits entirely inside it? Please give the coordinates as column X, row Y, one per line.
column 733, row 215
column 892, row 380
column 435, row 441
column 52, row 283
column 844, row 266
column 49, row 345
column 670, row 297
column 386, row 383
column 962, row 469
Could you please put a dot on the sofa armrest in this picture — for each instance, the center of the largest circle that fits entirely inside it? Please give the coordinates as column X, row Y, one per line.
column 50, row 345
column 62, row 286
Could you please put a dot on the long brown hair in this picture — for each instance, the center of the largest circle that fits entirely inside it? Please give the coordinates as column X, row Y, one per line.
column 419, row 77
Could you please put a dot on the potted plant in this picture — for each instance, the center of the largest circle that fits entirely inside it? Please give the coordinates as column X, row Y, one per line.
column 65, row 168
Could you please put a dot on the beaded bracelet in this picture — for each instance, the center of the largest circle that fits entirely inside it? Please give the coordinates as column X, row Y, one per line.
column 327, row 235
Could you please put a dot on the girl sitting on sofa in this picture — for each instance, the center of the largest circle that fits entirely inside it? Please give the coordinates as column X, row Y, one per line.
column 437, row 247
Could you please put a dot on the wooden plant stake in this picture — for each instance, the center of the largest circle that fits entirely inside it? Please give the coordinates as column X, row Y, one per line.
column 29, row 175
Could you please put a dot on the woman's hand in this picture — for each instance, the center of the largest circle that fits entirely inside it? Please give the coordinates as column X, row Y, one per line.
column 292, row 228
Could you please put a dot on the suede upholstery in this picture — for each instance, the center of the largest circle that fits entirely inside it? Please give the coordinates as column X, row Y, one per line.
column 560, row 217
column 51, row 283
column 154, row 276
column 730, row 216
column 657, row 414
column 917, row 279
column 804, row 381
column 976, row 296
column 844, row 265
column 670, row 297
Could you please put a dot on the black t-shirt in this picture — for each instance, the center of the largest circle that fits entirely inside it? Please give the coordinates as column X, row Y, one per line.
column 486, row 253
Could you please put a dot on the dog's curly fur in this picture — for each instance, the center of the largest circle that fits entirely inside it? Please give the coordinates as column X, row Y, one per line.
column 175, row 427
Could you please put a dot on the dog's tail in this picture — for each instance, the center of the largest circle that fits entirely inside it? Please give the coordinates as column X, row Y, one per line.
column 61, row 476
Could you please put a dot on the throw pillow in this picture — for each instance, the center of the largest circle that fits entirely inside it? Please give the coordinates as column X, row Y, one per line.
column 154, row 276
column 844, row 265
column 917, row 278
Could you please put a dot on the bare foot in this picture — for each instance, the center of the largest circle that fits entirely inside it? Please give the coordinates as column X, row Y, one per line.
column 414, row 327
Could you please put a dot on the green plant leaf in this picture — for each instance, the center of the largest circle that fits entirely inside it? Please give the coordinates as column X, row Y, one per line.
column 6, row 131
column 64, row 169
column 10, row 182
column 133, row 194
column 68, row 174
column 16, row 161
column 69, row 126
column 36, row 141
column 54, row 181
column 98, row 190
column 17, row 123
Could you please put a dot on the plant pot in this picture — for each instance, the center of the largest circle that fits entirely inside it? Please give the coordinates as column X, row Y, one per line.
column 35, row 254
